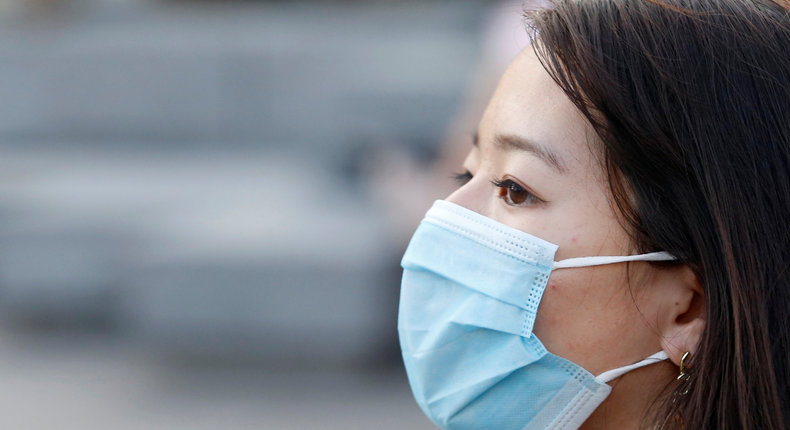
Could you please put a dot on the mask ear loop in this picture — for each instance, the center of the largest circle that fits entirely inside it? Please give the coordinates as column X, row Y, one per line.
column 620, row 371
column 601, row 260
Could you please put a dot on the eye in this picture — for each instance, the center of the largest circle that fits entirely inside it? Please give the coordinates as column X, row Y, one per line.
column 514, row 194
column 462, row 178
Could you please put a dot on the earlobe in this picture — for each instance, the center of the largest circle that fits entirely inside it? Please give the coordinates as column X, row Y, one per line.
column 686, row 320
column 686, row 340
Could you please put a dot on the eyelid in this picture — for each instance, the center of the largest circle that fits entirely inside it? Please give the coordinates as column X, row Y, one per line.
column 500, row 182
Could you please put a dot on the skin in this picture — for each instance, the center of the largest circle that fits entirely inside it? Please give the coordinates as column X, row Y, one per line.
column 597, row 317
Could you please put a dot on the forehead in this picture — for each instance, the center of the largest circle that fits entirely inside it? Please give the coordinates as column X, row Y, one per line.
column 528, row 103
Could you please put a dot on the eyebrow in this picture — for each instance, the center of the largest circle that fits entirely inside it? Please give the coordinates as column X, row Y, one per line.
column 511, row 142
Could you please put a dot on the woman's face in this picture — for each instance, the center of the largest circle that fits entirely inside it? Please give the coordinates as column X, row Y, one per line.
column 540, row 151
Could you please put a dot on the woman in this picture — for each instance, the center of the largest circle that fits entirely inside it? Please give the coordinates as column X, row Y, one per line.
column 617, row 254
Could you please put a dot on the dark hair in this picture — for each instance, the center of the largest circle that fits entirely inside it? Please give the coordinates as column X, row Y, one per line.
column 691, row 99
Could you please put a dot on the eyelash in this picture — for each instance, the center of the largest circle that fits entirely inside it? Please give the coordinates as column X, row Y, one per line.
column 505, row 187
column 508, row 188
column 462, row 178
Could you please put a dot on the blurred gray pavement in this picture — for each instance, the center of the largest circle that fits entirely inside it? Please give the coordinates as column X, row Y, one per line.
column 77, row 384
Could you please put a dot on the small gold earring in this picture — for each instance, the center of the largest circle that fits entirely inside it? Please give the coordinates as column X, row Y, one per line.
column 683, row 366
column 683, row 376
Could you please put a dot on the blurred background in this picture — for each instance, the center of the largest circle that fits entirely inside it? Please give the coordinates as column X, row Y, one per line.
column 203, row 204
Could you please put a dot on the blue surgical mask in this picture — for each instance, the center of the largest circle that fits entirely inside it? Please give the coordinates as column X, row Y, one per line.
column 469, row 297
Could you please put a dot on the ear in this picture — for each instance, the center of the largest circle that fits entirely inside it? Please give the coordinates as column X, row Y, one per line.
column 683, row 318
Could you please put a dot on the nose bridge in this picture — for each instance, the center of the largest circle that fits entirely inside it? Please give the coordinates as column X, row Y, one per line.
column 474, row 195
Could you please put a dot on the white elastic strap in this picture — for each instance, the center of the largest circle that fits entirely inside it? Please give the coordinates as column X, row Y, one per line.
column 616, row 373
column 597, row 261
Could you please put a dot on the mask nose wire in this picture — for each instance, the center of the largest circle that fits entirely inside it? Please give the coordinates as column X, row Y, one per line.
column 601, row 260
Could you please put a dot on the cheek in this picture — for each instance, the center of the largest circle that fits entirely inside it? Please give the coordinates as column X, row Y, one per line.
column 560, row 323
column 588, row 317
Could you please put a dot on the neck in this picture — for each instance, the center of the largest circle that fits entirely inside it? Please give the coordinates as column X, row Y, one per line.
column 632, row 395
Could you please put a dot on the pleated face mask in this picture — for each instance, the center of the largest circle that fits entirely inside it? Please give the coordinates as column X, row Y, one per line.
column 469, row 297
